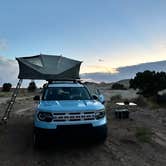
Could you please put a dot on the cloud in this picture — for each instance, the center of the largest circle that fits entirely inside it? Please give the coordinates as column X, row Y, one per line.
column 8, row 70
column 127, row 72
column 3, row 44
column 97, row 68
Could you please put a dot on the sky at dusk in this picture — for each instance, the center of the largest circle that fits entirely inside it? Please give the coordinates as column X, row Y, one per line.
column 104, row 34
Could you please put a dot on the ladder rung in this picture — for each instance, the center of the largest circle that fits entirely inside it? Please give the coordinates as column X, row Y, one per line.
column 12, row 101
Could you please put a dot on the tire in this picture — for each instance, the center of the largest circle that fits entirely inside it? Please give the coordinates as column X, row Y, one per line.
column 101, row 134
column 36, row 140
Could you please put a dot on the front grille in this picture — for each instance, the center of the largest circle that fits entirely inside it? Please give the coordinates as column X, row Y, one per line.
column 74, row 116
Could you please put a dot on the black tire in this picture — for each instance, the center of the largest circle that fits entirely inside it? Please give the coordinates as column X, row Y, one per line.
column 101, row 135
column 36, row 140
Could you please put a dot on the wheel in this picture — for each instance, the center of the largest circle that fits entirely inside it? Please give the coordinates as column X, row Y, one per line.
column 101, row 134
column 36, row 140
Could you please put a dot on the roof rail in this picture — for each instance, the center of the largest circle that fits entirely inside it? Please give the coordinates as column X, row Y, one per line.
column 64, row 81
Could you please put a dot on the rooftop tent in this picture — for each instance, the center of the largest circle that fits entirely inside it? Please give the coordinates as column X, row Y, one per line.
column 48, row 67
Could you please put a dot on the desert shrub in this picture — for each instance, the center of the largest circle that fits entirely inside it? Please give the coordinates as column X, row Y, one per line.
column 140, row 101
column 6, row 87
column 161, row 99
column 117, row 86
column 150, row 102
column 149, row 82
column 116, row 98
column 32, row 86
column 102, row 83
column 143, row 134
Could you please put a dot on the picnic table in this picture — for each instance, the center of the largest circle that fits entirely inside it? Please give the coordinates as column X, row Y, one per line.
column 123, row 109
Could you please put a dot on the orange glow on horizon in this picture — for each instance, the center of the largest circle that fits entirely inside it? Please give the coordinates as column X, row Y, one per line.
column 96, row 69
column 109, row 62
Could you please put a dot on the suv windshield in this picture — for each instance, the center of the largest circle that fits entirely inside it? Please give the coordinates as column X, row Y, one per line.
column 66, row 93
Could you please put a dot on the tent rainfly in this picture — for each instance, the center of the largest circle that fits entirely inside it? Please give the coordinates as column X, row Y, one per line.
column 48, row 67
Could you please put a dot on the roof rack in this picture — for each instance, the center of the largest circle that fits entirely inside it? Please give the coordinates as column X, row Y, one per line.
column 64, row 81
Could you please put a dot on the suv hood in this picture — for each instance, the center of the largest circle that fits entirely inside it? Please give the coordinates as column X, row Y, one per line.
column 70, row 105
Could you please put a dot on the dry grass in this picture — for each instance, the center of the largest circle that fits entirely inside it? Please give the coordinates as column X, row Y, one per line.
column 140, row 101
column 21, row 93
column 5, row 94
column 143, row 134
column 116, row 98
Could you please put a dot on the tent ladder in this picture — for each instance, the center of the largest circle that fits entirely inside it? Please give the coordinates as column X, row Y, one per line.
column 11, row 102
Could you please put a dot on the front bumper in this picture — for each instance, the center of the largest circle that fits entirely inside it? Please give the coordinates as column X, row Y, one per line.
column 72, row 132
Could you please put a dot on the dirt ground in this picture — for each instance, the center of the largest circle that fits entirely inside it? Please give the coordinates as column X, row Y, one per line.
column 122, row 147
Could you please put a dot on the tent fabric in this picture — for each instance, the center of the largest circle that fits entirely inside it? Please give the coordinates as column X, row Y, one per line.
column 48, row 67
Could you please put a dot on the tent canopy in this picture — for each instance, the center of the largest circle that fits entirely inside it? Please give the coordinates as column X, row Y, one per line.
column 48, row 67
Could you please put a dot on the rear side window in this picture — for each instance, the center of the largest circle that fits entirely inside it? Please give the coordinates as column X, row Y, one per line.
column 66, row 93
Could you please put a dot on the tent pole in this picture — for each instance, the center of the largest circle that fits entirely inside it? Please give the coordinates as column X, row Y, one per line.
column 11, row 102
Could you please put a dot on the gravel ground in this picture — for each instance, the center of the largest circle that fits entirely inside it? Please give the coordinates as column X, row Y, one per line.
column 122, row 147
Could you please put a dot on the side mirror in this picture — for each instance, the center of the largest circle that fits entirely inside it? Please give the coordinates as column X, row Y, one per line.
column 101, row 98
column 95, row 97
column 36, row 98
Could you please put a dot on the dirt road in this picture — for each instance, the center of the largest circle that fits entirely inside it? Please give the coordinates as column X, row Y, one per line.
column 121, row 148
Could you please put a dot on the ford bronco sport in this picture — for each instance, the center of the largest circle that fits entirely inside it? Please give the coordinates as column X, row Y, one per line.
column 69, row 105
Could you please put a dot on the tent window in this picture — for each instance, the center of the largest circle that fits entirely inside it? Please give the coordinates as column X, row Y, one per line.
column 35, row 61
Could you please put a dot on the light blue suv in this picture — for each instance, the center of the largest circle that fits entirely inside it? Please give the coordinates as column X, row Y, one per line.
column 68, row 107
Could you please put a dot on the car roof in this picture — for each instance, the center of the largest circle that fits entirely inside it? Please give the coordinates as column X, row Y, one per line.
column 65, row 85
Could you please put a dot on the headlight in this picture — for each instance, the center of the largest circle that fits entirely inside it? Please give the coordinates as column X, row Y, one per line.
column 45, row 116
column 100, row 114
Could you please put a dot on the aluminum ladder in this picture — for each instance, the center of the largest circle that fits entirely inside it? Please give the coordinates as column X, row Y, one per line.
column 11, row 102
